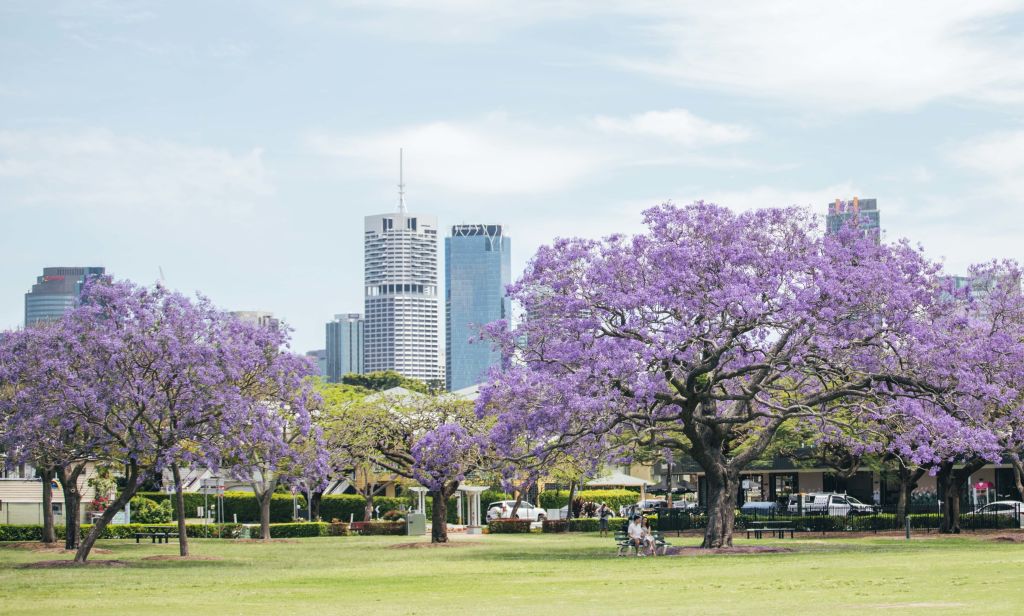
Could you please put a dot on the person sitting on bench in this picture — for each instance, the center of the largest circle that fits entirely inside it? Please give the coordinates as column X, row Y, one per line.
column 648, row 536
column 636, row 534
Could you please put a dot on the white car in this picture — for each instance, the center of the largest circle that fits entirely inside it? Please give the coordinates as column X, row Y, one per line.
column 1008, row 507
column 503, row 509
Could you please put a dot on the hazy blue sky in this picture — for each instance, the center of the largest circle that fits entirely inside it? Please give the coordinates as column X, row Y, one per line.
column 238, row 145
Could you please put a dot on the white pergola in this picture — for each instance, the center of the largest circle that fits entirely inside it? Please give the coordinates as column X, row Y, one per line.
column 472, row 508
column 622, row 480
column 421, row 499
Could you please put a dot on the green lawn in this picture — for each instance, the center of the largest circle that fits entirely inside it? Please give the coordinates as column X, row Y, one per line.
column 534, row 574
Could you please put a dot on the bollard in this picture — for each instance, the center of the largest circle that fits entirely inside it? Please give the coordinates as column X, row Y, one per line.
column 907, row 519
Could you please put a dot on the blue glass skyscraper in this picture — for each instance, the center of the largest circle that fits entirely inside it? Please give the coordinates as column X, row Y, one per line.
column 477, row 268
column 344, row 346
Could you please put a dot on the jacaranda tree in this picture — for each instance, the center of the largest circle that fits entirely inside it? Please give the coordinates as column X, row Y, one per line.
column 718, row 327
column 154, row 380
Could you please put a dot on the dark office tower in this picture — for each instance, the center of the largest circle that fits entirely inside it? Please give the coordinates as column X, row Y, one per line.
column 865, row 211
column 56, row 291
column 478, row 267
column 344, row 346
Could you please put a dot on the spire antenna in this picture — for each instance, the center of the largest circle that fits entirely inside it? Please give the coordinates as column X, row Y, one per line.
column 401, row 184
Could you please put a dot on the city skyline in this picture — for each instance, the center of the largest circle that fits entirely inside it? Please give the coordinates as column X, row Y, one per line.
column 239, row 155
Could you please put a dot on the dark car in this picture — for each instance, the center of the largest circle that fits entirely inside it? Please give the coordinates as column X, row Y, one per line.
column 760, row 508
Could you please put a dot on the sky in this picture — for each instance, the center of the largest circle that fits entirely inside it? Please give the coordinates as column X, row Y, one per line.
column 236, row 146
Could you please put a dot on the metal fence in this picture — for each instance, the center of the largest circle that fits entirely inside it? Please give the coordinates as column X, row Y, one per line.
column 844, row 519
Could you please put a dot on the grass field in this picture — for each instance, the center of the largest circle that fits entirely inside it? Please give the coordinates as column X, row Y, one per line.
column 532, row 574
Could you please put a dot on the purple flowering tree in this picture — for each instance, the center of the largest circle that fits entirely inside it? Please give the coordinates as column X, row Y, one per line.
column 31, row 377
column 155, row 380
column 712, row 329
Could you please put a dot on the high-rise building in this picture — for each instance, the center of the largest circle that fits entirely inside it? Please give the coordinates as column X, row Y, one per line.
column 258, row 317
column 478, row 267
column 344, row 346
column 56, row 291
column 320, row 357
column 865, row 211
column 402, row 311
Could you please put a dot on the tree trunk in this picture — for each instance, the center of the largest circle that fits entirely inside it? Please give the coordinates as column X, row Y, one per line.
column 68, row 476
column 721, row 501
column 368, row 508
column 1018, row 475
column 131, row 487
column 439, row 515
column 950, row 483
column 179, row 510
column 908, row 483
column 572, row 495
column 264, row 502
column 314, row 504
column 46, row 475
column 515, row 506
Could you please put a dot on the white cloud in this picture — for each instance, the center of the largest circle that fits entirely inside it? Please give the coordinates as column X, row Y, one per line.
column 848, row 56
column 872, row 54
column 490, row 156
column 676, row 125
column 1000, row 156
column 106, row 171
column 497, row 155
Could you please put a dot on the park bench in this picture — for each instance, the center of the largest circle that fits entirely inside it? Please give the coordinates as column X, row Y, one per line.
column 160, row 536
column 624, row 544
column 773, row 528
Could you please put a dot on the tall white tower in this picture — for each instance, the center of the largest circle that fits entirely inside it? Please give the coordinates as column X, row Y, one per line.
column 402, row 330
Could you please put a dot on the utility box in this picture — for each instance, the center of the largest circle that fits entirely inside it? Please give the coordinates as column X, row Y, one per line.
column 415, row 524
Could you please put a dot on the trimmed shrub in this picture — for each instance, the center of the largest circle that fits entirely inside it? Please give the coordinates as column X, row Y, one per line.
column 299, row 529
column 29, row 532
column 25, row 532
column 148, row 511
column 551, row 499
column 242, row 504
column 555, row 526
column 592, row 525
column 342, row 506
column 509, row 525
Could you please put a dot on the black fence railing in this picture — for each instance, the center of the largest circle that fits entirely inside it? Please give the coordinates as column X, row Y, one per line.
column 845, row 519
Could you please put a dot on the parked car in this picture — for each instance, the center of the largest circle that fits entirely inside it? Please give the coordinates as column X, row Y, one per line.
column 1007, row 508
column 653, row 504
column 828, row 503
column 760, row 508
column 503, row 509
column 684, row 504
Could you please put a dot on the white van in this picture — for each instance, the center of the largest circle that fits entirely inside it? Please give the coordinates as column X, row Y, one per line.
column 828, row 503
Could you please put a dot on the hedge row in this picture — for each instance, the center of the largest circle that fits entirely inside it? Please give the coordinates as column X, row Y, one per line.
column 555, row 526
column 242, row 504
column 343, row 507
column 508, row 525
column 295, row 529
column 551, row 499
column 821, row 524
column 34, row 532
